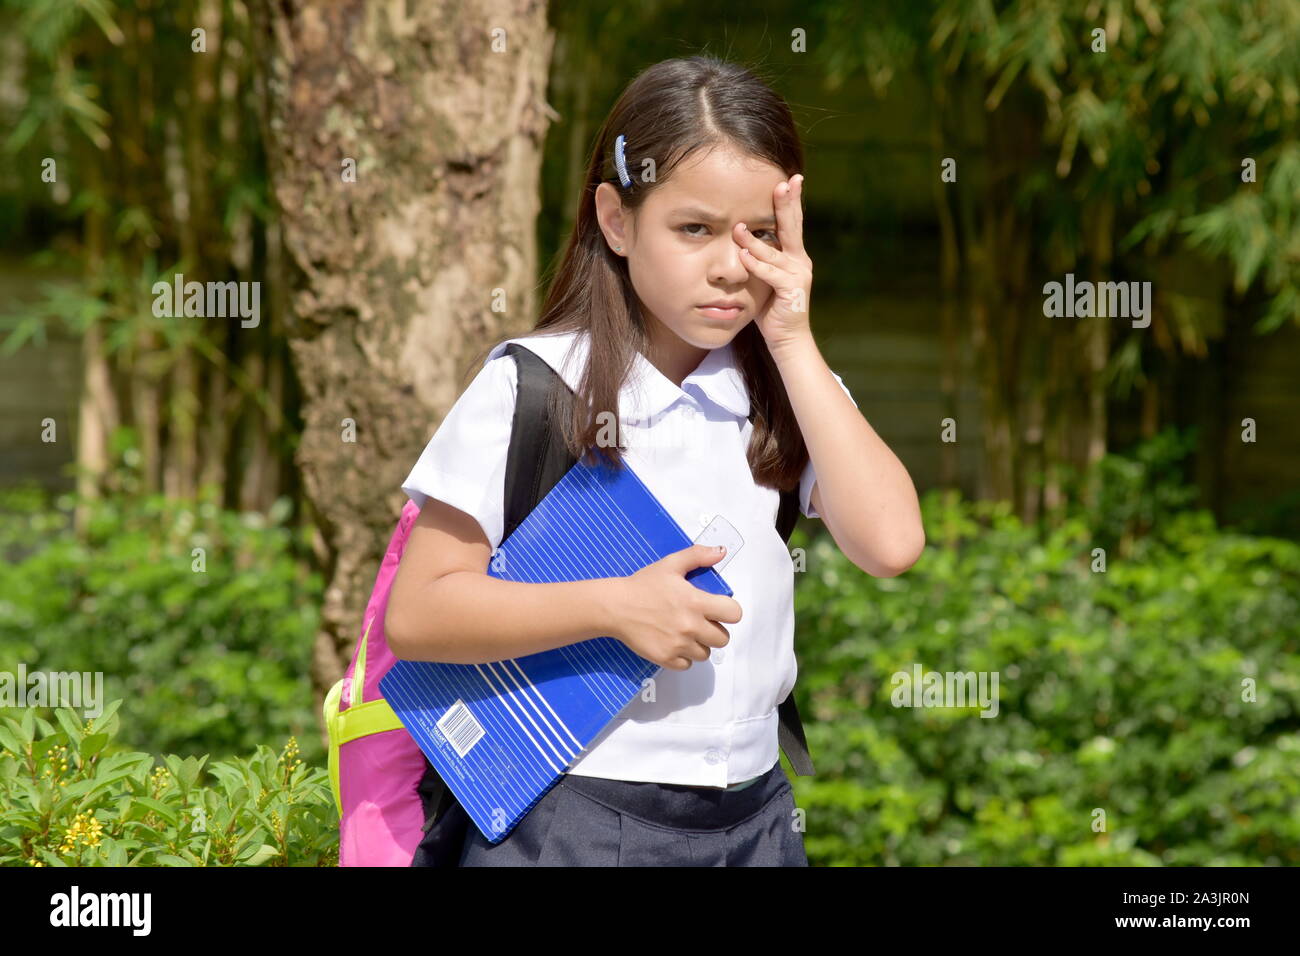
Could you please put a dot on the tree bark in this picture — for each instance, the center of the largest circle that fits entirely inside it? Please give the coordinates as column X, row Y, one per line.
column 393, row 277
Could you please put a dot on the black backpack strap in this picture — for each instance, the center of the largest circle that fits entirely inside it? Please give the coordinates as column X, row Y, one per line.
column 789, row 732
column 537, row 458
column 790, row 727
column 788, row 514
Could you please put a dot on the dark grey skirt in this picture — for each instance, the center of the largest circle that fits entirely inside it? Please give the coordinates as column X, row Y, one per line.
column 595, row 821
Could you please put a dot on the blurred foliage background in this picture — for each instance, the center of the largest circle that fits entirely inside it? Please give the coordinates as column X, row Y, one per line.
column 1169, row 156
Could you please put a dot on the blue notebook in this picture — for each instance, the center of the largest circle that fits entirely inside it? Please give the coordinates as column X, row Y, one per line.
column 501, row 734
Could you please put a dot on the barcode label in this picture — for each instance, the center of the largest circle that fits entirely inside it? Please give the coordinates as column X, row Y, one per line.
column 460, row 728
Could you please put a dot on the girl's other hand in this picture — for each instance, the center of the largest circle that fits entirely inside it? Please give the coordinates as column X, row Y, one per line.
column 787, row 270
column 666, row 619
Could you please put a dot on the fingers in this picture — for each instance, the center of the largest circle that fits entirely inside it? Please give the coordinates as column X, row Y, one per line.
column 717, row 636
column 760, row 258
column 696, row 652
column 696, row 556
column 720, row 608
column 789, row 227
column 701, row 651
column 797, row 207
column 755, row 248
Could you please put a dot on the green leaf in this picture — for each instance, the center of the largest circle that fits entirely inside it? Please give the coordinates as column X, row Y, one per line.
column 185, row 771
column 109, row 710
column 28, row 124
column 31, row 328
column 101, row 13
column 10, row 742
column 77, row 789
column 41, row 747
column 70, row 725
column 260, row 855
column 144, row 830
column 50, row 858
column 169, row 814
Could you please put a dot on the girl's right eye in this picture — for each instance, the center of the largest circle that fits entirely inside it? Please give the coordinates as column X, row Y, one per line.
column 696, row 235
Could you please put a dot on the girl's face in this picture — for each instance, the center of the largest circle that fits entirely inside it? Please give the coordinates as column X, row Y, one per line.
column 681, row 254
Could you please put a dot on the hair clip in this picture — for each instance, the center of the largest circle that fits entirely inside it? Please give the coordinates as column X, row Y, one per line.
column 620, row 162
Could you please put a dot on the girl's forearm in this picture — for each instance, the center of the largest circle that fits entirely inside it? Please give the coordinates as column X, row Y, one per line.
column 467, row 617
column 868, row 501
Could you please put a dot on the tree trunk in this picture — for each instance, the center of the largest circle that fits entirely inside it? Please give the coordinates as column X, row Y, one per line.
column 96, row 420
column 393, row 277
column 216, row 431
column 97, row 412
column 199, row 105
column 253, row 474
column 1098, row 343
column 1056, row 437
column 146, row 411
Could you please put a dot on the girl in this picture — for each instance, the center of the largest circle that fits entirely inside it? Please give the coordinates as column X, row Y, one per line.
column 681, row 307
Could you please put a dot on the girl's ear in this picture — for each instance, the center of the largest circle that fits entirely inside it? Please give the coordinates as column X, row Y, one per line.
column 611, row 216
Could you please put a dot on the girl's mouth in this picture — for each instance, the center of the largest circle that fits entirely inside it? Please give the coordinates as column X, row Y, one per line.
column 716, row 313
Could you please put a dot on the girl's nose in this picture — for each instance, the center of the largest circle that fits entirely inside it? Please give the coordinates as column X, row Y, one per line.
column 728, row 265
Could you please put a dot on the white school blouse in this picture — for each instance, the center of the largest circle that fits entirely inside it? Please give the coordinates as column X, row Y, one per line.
column 715, row 723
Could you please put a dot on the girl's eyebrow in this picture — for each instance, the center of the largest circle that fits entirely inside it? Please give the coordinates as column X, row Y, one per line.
column 706, row 215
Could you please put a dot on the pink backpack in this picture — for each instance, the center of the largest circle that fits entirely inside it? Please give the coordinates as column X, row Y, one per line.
column 389, row 798
column 393, row 807
column 374, row 763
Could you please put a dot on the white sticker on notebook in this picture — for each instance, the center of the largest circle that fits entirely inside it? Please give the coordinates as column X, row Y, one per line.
column 720, row 531
column 461, row 728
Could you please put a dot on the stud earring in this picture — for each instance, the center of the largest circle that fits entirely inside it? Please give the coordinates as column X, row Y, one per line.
column 618, row 248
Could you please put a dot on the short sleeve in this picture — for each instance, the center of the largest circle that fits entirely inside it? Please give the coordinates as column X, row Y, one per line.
column 464, row 463
column 809, row 477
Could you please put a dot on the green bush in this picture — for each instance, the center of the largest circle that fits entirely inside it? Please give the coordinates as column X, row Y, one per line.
column 210, row 650
column 66, row 799
column 1120, row 691
column 1139, row 492
column 1124, row 692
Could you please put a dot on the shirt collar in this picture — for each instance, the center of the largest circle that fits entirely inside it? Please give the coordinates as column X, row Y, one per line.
column 647, row 391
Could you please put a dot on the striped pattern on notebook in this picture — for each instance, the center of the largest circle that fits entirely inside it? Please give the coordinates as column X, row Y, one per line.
column 501, row 734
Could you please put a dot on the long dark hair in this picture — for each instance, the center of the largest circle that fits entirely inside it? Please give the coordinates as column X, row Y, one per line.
column 668, row 112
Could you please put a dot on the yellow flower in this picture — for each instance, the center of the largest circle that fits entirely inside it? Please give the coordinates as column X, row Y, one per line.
column 85, row 828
